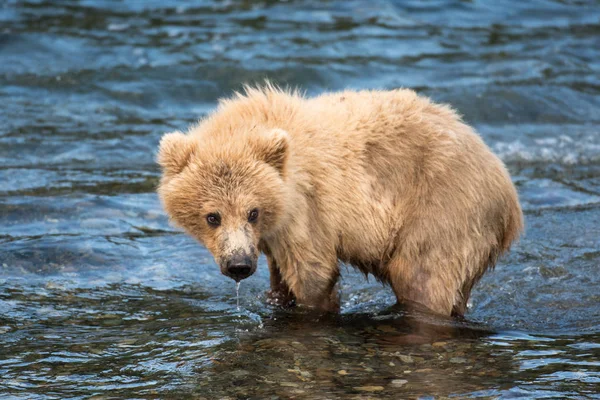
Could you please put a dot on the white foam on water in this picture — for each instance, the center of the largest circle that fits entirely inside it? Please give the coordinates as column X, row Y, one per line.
column 115, row 27
column 562, row 149
column 543, row 193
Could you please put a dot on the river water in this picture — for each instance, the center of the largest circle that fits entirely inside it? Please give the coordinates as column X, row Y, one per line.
column 101, row 298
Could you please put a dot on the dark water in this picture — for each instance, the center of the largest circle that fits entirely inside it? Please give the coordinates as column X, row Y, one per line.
column 101, row 298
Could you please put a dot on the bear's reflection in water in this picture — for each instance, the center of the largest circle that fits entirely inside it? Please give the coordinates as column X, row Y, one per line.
column 395, row 354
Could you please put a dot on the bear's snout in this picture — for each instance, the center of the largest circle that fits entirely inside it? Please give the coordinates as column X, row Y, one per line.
column 240, row 266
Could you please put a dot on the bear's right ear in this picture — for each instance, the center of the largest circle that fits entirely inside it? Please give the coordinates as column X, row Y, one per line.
column 174, row 152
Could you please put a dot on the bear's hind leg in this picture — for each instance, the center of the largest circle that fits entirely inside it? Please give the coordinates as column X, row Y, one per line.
column 421, row 283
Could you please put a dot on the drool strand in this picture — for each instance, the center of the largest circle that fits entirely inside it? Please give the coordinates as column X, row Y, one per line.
column 237, row 295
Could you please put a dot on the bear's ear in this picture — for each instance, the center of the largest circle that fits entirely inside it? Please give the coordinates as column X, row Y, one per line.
column 174, row 152
column 273, row 148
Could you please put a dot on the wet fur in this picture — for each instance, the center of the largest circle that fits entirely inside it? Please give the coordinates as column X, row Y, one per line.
column 387, row 181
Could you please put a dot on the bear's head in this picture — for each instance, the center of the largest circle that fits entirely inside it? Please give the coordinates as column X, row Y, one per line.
column 227, row 191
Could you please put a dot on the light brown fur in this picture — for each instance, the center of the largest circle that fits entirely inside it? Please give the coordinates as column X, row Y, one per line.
column 386, row 181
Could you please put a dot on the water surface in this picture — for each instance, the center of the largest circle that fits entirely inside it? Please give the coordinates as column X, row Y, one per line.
column 101, row 298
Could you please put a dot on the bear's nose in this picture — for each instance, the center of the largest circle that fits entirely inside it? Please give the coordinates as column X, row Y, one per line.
column 239, row 268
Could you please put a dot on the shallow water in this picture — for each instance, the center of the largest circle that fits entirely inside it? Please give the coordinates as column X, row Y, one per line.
column 100, row 297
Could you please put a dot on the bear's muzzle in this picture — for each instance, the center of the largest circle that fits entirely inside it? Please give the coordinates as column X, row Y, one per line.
column 239, row 266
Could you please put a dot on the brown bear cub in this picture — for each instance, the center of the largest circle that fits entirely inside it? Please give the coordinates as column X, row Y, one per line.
column 386, row 181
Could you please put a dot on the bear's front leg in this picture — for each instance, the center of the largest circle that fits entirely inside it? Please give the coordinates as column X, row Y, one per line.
column 313, row 284
column 307, row 269
column 280, row 294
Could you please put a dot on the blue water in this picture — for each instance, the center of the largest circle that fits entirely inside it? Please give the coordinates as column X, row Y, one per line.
column 101, row 298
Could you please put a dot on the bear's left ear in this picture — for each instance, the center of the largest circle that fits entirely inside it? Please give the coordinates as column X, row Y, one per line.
column 273, row 148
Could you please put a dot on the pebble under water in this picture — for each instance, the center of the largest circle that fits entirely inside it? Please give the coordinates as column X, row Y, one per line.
column 101, row 298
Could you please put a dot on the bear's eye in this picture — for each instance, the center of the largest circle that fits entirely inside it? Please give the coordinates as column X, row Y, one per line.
column 253, row 215
column 213, row 219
